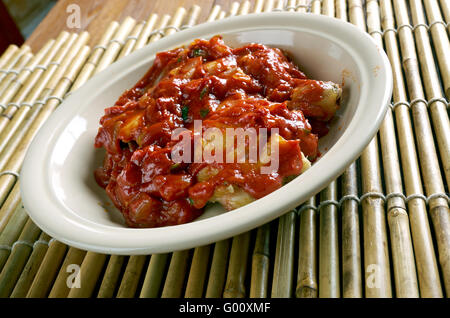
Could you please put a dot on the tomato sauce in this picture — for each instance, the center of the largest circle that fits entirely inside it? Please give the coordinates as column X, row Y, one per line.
column 246, row 87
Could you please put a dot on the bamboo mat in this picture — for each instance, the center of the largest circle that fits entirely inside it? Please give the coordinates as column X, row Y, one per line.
column 382, row 229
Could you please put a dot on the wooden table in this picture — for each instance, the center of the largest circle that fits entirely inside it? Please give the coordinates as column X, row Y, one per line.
column 96, row 15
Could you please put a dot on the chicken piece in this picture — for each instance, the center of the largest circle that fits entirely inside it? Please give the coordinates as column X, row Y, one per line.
column 316, row 99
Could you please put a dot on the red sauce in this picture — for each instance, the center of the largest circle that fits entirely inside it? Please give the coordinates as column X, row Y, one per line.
column 248, row 87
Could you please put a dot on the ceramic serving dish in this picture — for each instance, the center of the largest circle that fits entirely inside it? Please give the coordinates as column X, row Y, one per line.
column 57, row 184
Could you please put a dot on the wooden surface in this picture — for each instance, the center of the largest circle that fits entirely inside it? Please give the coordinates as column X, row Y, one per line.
column 97, row 14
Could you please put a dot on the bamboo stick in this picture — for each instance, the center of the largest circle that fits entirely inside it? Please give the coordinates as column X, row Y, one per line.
column 115, row 44
column 284, row 257
column 445, row 7
column 215, row 11
column 154, row 276
column 315, row 6
column 191, row 17
column 49, row 81
column 423, row 248
column 26, row 278
column 59, row 288
column 131, row 40
column 11, row 232
column 221, row 15
column 329, row 280
column 16, row 92
column 8, row 90
column 401, row 244
column 328, row 230
column 218, row 269
column 307, row 285
column 259, row 6
column 18, row 258
column 89, row 275
column 176, row 21
column 260, row 263
column 244, row 8
column 351, row 249
column 47, row 271
column 95, row 57
column 237, row 267
column 290, row 5
column 16, row 149
column 13, row 60
column 440, row 41
column 424, row 137
column 10, row 205
column 268, row 5
column 146, row 31
column 376, row 258
column 303, row 6
column 14, row 71
column 163, row 22
column 111, row 276
column 341, row 10
column 131, row 277
column 9, row 52
column 198, row 272
column 431, row 81
column 31, row 93
column 233, row 9
column 175, row 278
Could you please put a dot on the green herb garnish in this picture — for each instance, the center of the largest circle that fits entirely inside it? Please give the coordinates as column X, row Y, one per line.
column 184, row 112
column 203, row 92
column 204, row 112
column 198, row 52
column 175, row 166
column 191, row 202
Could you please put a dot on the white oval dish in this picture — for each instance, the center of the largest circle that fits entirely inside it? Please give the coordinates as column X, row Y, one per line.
column 57, row 184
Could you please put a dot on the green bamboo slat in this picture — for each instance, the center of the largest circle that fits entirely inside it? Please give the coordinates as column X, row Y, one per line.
column 26, row 278
column 175, row 278
column 18, row 258
column 329, row 278
column 89, row 273
column 283, row 273
column 131, row 277
column 198, row 272
column 10, row 205
column 111, row 276
column 307, row 280
column 260, row 263
column 218, row 269
column 60, row 288
column 351, row 240
column 237, row 267
column 11, row 233
column 154, row 276
column 48, row 270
